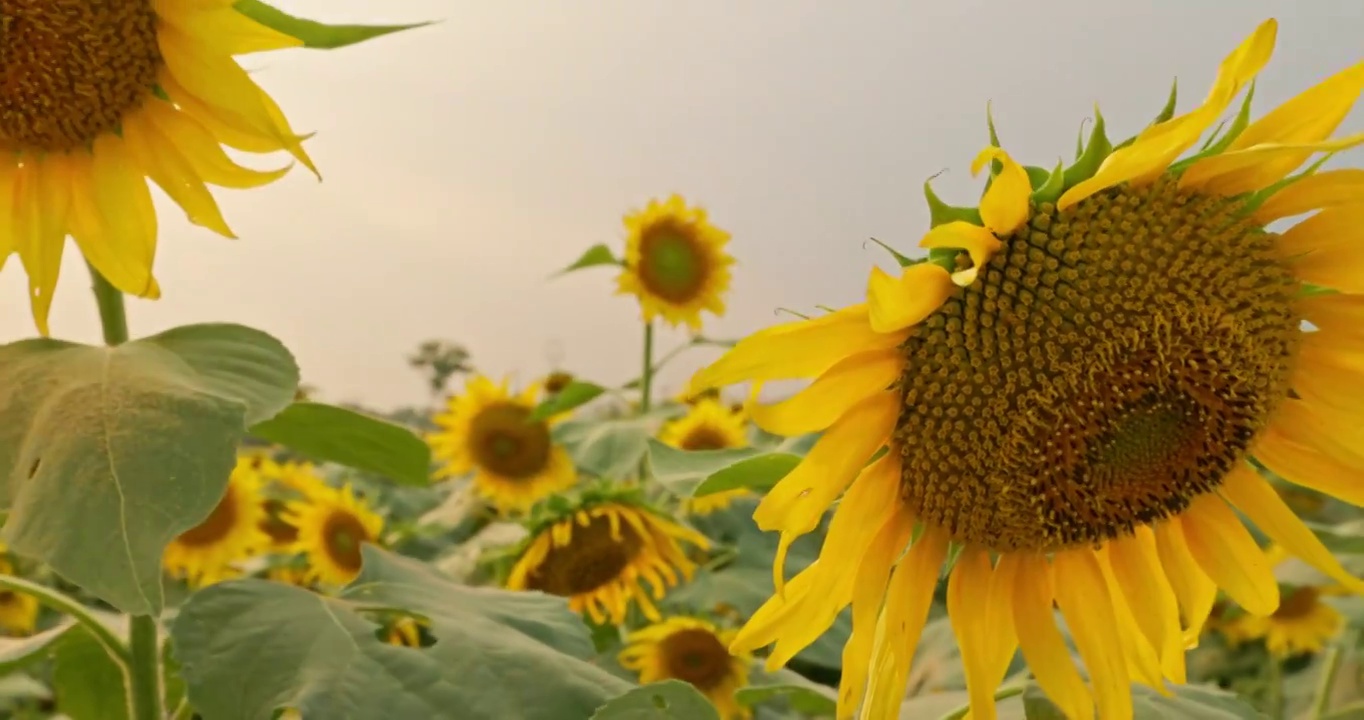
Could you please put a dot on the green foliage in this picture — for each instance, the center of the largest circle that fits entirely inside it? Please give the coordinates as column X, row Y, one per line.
column 1187, row 702
column 801, row 695
column 696, row 473
column 667, row 700
column 346, row 437
column 106, row 454
column 610, row 449
column 758, row 473
column 576, row 394
column 248, row 647
column 315, row 34
column 18, row 653
column 594, row 256
column 88, row 683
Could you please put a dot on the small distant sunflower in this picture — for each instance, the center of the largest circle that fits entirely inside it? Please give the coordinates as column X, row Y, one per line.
column 1301, row 624
column 298, row 477
column 692, row 650
column 207, row 553
column 556, row 381
column 99, row 98
column 490, row 431
column 405, row 631
column 1071, row 389
column 332, row 526
column 18, row 611
column 675, row 262
column 596, row 556
column 708, row 425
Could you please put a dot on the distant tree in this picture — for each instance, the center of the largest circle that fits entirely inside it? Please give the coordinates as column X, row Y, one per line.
column 440, row 360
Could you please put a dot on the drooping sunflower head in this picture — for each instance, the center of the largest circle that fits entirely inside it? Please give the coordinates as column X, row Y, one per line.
column 675, row 262
column 692, row 650
column 100, row 97
column 491, row 431
column 18, row 611
column 597, row 553
column 1072, row 387
column 708, row 425
column 333, row 524
column 210, row 551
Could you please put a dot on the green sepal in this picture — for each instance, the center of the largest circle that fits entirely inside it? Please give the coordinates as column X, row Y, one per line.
column 996, row 167
column 940, row 213
column 1166, row 113
column 1037, row 176
column 1256, row 199
column 899, row 258
column 1050, row 189
column 1310, row 290
column 1096, row 151
column 1080, row 140
column 945, row 258
column 1217, row 147
column 594, row 256
column 314, row 34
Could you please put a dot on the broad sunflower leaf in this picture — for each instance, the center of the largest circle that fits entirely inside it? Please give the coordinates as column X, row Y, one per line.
column 598, row 254
column 611, row 449
column 757, row 473
column 249, row 647
column 88, row 684
column 106, row 454
column 800, row 694
column 667, row 700
column 576, row 394
column 346, row 437
column 682, row 471
column 315, row 34
column 1188, row 702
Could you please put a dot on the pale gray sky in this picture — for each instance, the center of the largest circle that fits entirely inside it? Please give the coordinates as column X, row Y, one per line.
column 467, row 161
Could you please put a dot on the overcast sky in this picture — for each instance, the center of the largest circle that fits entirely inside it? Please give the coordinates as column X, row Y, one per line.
column 464, row 163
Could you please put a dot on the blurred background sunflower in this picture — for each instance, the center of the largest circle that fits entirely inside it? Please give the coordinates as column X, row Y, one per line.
column 214, row 549
column 18, row 611
column 692, row 650
column 333, row 524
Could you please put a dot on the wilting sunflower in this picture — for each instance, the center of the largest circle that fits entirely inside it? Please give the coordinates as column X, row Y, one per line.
column 18, row 611
column 332, row 526
column 98, row 98
column 1072, row 389
column 596, row 556
column 208, row 552
column 490, row 431
column 675, row 262
column 1301, row 624
column 692, row 650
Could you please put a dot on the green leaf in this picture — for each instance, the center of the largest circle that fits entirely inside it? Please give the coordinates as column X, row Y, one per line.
column 349, row 438
column 1096, row 151
column 1188, row 702
column 248, row 647
column 807, row 697
column 88, row 684
column 315, row 34
column 682, row 471
column 598, row 254
column 667, row 700
column 757, row 473
column 17, row 653
column 106, row 454
column 576, row 394
column 1050, row 189
column 611, row 449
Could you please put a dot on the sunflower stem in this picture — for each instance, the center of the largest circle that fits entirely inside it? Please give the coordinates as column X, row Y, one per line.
column 113, row 318
column 1003, row 693
column 1274, row 701
column 1321, row 702
column 55, row 599
column 144, row 677
column 646, row 380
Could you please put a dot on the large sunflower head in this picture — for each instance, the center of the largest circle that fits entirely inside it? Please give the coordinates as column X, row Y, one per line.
column 332, row 526
column 210, row 551
column 490, row 431
column 596, row 553
column 1073, row 387
column 675, row 262
column 692, row 650
column 18, row 611
column 99, row 98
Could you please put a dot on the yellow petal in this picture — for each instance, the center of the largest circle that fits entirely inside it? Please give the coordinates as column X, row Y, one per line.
column 1082, row 594
column 113, row 219
column 1311, row 116
column 1326, row 376
column 1307, row 467
column 979, row 243
column 1336, row 434
column 1136, row 568
column 895, row 304
column 201, row 151
column 1041, row 643
column 1158, row 146
column 1252, row 495
column 868, row 591
column 1334, row 313
column 161, row 162
column 8, row 172
column 227, row 128
column 1320, row 190
column 908, row 598
column 1256, row 168
column 831, row 395
column 1327, row 229
column 1229, row 555
column 797, row 502
column 1195, row 591
column 222, row 29
column 980, row 608
column 42, row 199
column 1006, row 203
column 801, row 349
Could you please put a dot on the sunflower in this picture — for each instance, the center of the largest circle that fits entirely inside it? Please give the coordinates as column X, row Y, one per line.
column 490, row 431
column 596, row 556
column 693, row 650
column 1072, row 389
column 18, row 611
column 708, row 425
column 207, row 553
column 332, row 526
column 99, row 97
column 675, row 262
column 298, row 477
column 1301, row 624
column 556, row 381
column 405, row 631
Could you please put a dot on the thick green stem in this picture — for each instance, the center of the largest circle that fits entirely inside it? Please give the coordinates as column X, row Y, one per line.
column 1274, row 699
column 646, row 381
column 61, row 603
column 143, row 659
column 144, row 691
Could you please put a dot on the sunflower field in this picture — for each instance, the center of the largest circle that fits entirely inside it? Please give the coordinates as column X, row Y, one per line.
column 1096, row 452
